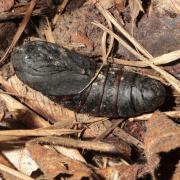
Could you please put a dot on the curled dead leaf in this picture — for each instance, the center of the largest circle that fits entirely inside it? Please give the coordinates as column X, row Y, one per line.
column 55, row 164
column 162, row 142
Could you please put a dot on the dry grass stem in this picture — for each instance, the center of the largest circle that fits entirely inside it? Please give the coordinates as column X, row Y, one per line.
column 60, row 9
column 128, row 63
column 109, row 130
column 93, row 78
column 73, row 143
column 48, row 32
column 167, row 58
column 160, row 60
column 106, row 53
column 171, row 114
column 15, row 173
column 169, row 78
column 120, row 40
column 92, row 120
column 38, row 132
column 127, row 35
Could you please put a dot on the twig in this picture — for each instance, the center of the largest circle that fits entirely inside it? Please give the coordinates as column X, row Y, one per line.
column 15, row 173
column 102, row 11
column 167, row 58
column 93, row 78
column 109, row 130
column 120, row 40
column 127, row 35
column 160, row 60
column 92, row 120
column 144, row 117
column 38, row 132
column 127, row 137
column 20, row 10
column 128, row 63
column 20, row 30
column 68, row 142
column 171, row 79
column 105, row 52
column 59, row 11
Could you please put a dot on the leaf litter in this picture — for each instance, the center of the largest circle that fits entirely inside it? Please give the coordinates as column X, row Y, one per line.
column 95, row 148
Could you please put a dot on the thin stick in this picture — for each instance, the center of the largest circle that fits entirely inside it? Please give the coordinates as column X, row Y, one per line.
column 167, row 58
column 171, row 79
column 144, row 117
column 109, row 130
column 68, row 142
column 59, row 11
column 38, row 132
column 120, row 40
column 105, row 53
column 102, row 11
column 20, row 30
column 15, row 173
column 93, row 79
column 127, row 137
column 92, row 120
column 160, row 60
column 128, row 63
column 127, row 35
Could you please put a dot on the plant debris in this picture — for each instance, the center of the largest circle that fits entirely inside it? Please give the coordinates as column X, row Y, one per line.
column 41, row 139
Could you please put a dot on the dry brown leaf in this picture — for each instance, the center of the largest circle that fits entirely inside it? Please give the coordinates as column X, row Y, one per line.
column 6, row 5
column 22, row 113
column 122, row 172
column 55, row 164
column 162, row 137
column 37, row 101
column 135, row 8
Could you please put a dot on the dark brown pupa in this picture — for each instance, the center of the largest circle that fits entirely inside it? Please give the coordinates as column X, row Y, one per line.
column 60, row 73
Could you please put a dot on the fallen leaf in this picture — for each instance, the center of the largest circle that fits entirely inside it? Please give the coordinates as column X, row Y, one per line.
column 55, row 164
column 122, row 172
column 162, row 142
column 37, row 101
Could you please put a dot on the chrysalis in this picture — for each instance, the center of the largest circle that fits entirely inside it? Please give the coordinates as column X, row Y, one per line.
column 60, row 73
